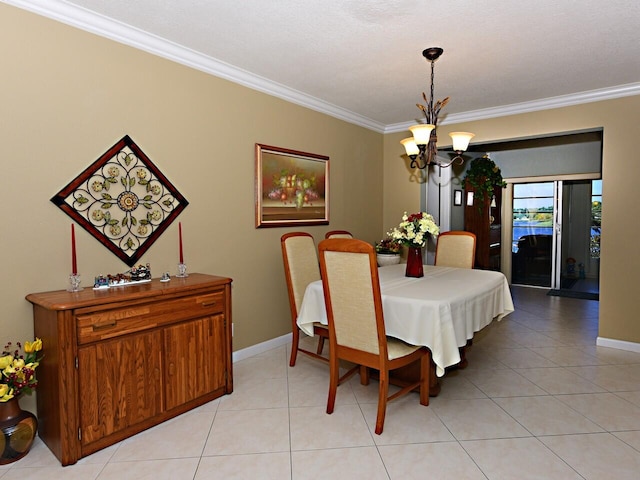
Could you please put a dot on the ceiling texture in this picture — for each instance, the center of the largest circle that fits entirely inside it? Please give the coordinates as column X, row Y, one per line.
column 361, row 60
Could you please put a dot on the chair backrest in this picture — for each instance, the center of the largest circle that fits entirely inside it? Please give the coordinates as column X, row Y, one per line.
column 352, row 295
column 338, row 234
column 301, row 267
column 456, row 249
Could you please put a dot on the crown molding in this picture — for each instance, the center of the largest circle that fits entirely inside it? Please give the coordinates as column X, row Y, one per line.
column 92, row 22
column 609, row 93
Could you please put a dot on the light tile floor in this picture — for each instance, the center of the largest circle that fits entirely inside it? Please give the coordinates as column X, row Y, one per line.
column 538, row 401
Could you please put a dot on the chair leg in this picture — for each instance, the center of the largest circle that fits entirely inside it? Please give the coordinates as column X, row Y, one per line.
column 383, row 393
column 364, row 375
column 294, row 347
column 320, row 344
column 334, row 375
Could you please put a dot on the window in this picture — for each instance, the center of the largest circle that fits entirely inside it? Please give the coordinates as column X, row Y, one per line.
column 532, row 210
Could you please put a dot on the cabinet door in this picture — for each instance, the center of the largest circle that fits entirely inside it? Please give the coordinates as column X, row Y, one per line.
column 120, row 383
column 195, row 358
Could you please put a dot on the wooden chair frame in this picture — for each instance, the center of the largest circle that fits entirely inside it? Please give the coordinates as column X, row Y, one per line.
column 366, row 359
column 295, row 298
column 338, row 234
column 451, row 234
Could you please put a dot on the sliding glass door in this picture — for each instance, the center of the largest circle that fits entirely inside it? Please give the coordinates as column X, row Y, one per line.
column 532, row 247
column 556, row 234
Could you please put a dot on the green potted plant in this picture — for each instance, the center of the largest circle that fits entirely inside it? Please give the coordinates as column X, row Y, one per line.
column 483, row 176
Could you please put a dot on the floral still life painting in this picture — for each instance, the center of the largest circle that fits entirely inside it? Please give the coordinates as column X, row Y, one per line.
column 123, row 200
column 292, row 188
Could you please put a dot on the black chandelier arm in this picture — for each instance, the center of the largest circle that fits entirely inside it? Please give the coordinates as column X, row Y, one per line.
column 457, row 159
column 423, row 160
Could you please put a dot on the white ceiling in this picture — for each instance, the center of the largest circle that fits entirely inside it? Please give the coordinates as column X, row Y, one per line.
column 361, row 60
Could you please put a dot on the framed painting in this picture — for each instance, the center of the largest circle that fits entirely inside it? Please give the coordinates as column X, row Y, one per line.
column 457, row 198
column 292, row 187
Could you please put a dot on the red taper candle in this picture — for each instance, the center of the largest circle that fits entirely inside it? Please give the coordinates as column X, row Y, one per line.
column 180, row 236
column 74, row 263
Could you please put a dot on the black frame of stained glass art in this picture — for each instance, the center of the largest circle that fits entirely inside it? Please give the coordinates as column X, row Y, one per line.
column 123, row 200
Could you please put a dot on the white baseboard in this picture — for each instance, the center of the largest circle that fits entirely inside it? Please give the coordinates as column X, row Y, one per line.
column 619, row 344
column 284, row 339
column 261, row 347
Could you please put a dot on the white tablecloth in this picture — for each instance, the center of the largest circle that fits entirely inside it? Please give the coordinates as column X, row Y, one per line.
column 441, row 310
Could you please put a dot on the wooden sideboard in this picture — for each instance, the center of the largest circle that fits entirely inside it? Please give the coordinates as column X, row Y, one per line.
column 120, row 360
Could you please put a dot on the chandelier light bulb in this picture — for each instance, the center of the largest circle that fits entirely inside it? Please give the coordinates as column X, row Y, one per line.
column 422, row 133
column 410, row 147
column 461, row 140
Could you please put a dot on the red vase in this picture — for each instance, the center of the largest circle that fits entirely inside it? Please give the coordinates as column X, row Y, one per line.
column 414, row 263
column 17, row 430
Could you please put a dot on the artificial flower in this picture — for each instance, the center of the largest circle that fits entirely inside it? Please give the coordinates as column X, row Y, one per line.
column 414, row 230
column 6, row 393
column 18, row 370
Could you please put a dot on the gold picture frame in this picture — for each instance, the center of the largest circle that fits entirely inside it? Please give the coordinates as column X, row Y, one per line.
column 292, row 187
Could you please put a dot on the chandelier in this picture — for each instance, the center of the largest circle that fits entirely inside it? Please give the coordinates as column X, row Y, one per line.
column 422, row 148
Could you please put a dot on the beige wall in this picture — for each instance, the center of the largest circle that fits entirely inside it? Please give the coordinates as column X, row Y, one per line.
column 68, row 95
column 620, row 120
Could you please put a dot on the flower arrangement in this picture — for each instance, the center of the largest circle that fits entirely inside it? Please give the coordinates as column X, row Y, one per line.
column 388, row 246
column 19, row 370
column 414, row 230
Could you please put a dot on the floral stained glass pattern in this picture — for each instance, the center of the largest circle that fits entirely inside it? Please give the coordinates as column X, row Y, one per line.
column 123, row 200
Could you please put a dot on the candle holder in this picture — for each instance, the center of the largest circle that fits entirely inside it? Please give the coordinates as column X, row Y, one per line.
column 182, row 270
column 74, row 283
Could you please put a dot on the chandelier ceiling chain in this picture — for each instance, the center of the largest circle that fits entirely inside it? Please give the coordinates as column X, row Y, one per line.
column 422, row 147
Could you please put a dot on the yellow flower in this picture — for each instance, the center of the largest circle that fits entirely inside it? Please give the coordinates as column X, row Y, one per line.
column 18, row 363
column 6, row 361
column 6, row 393
column 35, row 346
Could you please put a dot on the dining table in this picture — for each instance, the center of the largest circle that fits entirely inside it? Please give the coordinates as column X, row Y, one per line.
column 441, row 310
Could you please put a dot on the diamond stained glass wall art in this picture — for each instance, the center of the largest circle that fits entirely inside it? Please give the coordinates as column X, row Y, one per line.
column 123, row 200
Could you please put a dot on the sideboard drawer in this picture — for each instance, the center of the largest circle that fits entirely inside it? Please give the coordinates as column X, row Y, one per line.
column 104, row 324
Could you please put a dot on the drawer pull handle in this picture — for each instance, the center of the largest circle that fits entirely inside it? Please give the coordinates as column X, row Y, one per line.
column 209, row 304
column 99, row 326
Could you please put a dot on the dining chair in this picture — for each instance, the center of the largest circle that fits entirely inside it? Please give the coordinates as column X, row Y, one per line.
column 456, row 249
column 356, row 323
column 300, row 269
column 338, row 234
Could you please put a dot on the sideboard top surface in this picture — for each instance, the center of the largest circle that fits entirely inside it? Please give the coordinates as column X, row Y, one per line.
column 64, row 300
